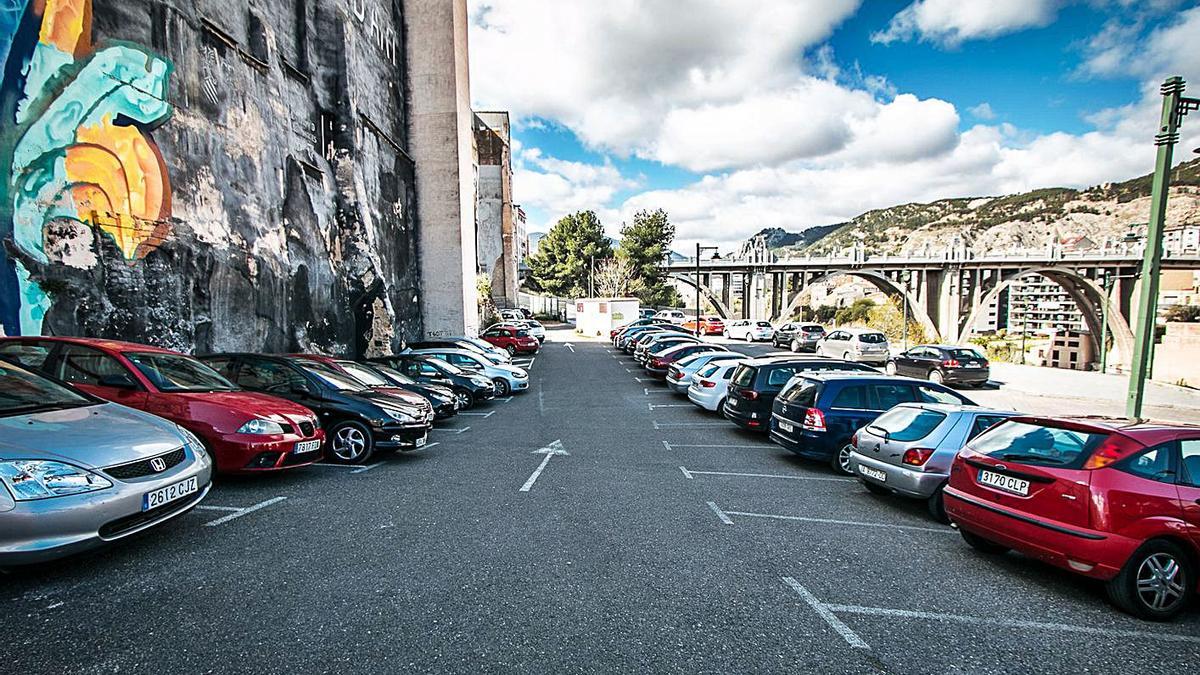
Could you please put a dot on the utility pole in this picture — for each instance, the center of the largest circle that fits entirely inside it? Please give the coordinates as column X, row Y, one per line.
column 1174, row 107
column 904, row 301
column 699, row 250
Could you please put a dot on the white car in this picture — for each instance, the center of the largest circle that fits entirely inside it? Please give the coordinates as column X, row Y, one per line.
column 750, row 331
column 512, row 315
column 535, row 329
column 488, row 349
column 505, row 378
column 671, row 316
column 862, row 345
column 681, row 373
column 710, row 386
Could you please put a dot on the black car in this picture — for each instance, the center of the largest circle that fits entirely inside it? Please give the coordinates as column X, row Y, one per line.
column 470, row 388
column 755, row 383
column 455, row 343
column 798, row 337
column 942, row 364
column 441, row 396
column 358, row 421
column 819, row 412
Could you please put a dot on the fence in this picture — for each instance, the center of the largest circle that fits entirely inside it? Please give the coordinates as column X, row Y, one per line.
column 545, row 305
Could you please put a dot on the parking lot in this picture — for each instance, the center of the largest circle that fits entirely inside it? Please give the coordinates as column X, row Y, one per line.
column 596, row 523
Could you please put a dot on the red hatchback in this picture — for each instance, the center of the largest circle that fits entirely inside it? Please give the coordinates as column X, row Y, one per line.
column 709, row 325
column 511, row 339
column 245, row 432
column 1113, row 500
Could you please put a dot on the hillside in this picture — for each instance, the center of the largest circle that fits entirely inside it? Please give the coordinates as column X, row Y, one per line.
column 997, row 224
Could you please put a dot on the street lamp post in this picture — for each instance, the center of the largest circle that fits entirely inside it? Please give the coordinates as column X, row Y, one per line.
column 699, row 250
column 1174, row 107
column 904, row 301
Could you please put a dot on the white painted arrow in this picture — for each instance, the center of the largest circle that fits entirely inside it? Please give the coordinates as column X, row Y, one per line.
column 555, row 448
column 568, row 346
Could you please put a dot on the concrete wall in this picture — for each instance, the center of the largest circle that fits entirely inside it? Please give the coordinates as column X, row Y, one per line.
column 1177, row 357
column 441, row 142
column 244, row 186
column 499, row 249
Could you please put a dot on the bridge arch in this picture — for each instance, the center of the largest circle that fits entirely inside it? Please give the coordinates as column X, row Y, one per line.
column 713, row 298
column 1088, row 296
column 885, row 285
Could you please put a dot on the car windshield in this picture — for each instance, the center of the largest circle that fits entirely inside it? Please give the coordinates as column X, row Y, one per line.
column 447, row 367
column 872, row 338
column 22, row 392
column 744, row 376
column 800, row 391
column 176, row 372
column 763, row 324
column 906, row 424
column 967, row 354
column 1038, row 445
column 333, row 379
column 368, row 376
column 812, row 329
column 708, row 370
column 393, row 375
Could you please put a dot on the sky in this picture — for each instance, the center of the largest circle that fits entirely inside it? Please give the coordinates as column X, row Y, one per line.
column 735, row 115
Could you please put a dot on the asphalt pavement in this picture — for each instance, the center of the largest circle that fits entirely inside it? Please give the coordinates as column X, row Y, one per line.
column 596, row 523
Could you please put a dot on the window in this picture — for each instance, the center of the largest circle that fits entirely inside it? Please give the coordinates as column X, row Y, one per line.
column 777, row 377
column 221, row 364
column 966, row 354
column 708, row 370
column 175, row 372
column 1190, row 454
column 1153, row 464
column 930, row 395
column 982, row 423
column 267, row 376
column 872, row 338
column 82, row 365
column 744, row 377
column 24, row 391
column 367, row 376
column 852, row 398
column 906, row 424
column 801, row 392
column 888, row 396
column 1038, row 445
column 29, row 355
column 495, row 332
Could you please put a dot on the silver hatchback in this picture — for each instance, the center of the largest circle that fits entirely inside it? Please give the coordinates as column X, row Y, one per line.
column 908, row 450
column 77, row 472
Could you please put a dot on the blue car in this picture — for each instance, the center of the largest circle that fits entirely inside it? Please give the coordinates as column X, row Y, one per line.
column 816, row 414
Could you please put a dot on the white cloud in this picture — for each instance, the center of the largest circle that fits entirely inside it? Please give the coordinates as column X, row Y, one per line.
column 951, row 22
column 983, row 111
column 558, row 187
column 1169, row 49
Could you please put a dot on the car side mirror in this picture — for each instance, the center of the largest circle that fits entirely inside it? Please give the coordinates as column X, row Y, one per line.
column 299, row 389
column 118, row 381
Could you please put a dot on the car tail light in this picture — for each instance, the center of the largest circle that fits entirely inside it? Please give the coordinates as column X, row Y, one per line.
column 707, row 384
column 1109, row 452
column 854, row 439
column 951, row 363
column 658, row 363
column 814, row 420
column 917, row 456
column 749, row 394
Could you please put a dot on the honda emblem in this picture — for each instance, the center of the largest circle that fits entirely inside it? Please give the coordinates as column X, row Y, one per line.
column 158, row 465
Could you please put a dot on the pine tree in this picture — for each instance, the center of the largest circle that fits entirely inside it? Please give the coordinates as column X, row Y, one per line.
column 567, row 254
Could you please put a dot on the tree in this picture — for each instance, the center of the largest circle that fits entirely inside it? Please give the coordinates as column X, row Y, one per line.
column 645, row 242
column 563, row 263
column 1183, row 313
column 617, row 278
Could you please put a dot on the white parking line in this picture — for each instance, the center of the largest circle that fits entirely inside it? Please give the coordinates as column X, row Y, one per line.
column 364, row 469
column 479, row 414
column 830, row 618
column 656, row 406
column 672, row 425
column 762, row 446
column 243, row 512
column 692, row 472
column 656, row 391
column 206, row 507
column 644, row 379
column 830, row 521
column 453, row 431
column 720, row 514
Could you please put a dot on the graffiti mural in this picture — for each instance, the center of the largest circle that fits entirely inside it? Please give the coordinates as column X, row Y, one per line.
column 76, row 146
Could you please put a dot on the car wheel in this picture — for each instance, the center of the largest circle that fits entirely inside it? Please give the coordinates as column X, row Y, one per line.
column 464, row 398
column 841, row 461
column 512, row 351
column 795, row 345
column 1155, row 583
column 982, row 545
column 845, row 356
column 937, row 505
column 936, row 377
column 890, row 368
column 721, row 407
column 350, row 442
column 502, row 386
column 876, row 489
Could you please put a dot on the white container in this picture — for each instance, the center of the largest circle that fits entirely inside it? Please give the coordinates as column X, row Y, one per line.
column 598, row 316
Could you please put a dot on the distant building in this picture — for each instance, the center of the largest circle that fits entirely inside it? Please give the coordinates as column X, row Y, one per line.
column 1182, row 239
column 1039, row 305
column 497, row 244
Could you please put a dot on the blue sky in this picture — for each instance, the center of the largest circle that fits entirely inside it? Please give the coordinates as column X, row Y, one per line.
column 798, row 113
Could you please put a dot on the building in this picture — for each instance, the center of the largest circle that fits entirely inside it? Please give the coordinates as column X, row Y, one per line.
column 294, row 175
column 497, row 241
column 1039, row 305
column 1181, row 239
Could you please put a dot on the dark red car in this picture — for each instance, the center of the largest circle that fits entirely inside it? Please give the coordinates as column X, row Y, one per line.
column 245, row 432
column 511, row 339
column 1114, row 500
column 709, row 325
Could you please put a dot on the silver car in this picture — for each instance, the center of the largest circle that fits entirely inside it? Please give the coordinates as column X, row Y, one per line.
column 861, row 345
column 505, row 379
column 908, row 450
column 710, row 386
column 680, row 374
column 78, row 472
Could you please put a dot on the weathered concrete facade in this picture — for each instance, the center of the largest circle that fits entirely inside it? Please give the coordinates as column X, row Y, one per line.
column 209, row 175
column 497, row 246
column 441, row 142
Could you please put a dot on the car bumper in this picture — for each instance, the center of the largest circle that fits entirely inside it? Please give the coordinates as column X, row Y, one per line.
column 445, row 410
column 246, row 454
column 1095, row 554
column 877, row 358
column 400, row 437
column 519, row 385
column 749, row 420
column 657, row 372
column 708, row 399
column 966, row 376
column 45, row 529
column 680, row 386
column 908, row 482
column 807, row 444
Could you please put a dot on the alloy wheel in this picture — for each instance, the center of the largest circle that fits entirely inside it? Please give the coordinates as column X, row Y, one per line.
column 795, row 345
column 463, row 399
column 502, row 387
column 935, row 376
column 1159, row 582
column 843, row 460
column 890, row 368
column 350, row 444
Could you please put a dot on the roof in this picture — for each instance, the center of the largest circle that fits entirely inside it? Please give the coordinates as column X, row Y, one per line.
column 958, row 407
column 101, row 343
column 1143, row 430
column 773, row 360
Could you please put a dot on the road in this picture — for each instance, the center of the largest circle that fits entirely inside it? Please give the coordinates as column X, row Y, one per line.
column 654, row 538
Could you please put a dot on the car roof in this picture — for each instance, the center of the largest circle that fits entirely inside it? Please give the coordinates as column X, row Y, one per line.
column 859, row 330
column 951, row 408
column 1142, row 430
column 99, row 343
column 838, row 375
column 775, row 360
column 942, row 346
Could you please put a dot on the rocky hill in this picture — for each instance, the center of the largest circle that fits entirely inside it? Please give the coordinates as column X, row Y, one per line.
column 998, row 224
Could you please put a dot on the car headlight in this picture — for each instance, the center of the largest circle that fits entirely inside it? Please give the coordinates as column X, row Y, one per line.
column 399, row 415
column 482, row 381
column 260, row 427
column 30, row 479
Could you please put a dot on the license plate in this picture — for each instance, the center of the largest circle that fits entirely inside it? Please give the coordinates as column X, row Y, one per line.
column 732, row 403
column 784, row 426
column 422, row 441
column 878, row 475
column 306, row 446
column 1007, row 483
column 170, row 493
column 971, row 364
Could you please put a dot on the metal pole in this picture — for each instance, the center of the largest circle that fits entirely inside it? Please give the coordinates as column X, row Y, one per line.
column 904, row 300
column 697, row 289
column 1024, row 329
column 591, row 276
column 1173, row 108
column 1104, row 324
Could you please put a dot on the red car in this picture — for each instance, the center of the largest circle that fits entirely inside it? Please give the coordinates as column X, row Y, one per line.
column 1114, row 500
column 709, row 325
column 244, row 432
column 511, row 339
